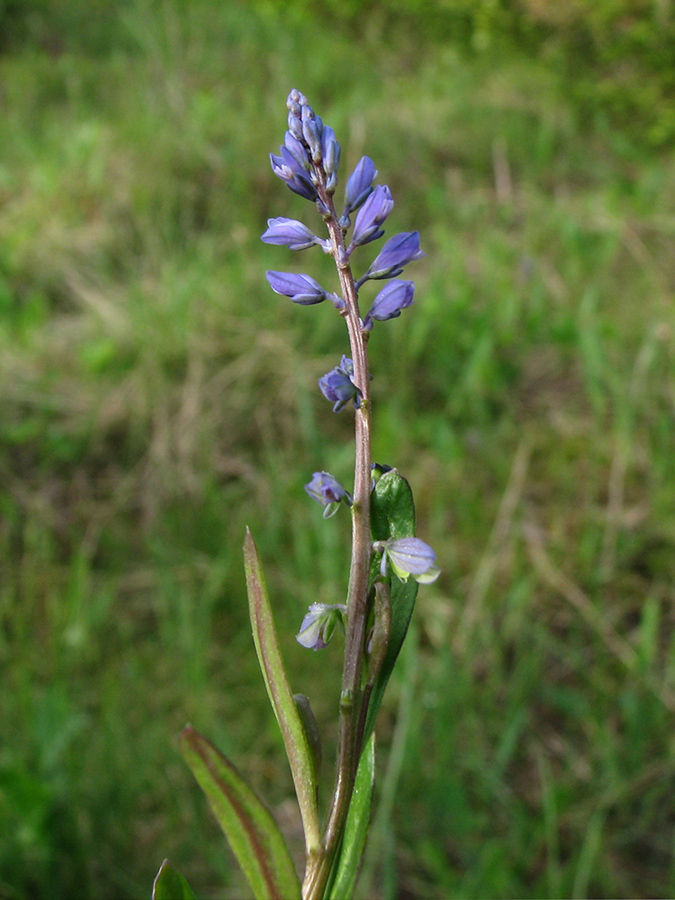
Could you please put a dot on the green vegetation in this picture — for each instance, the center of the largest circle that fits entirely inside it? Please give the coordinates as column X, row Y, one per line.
column 156, row 398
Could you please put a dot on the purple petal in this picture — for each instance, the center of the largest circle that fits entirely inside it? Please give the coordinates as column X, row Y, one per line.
column 359, row 184
column 371, row 216
column 290, row 232
column 412, row 556
column 338, row 387
column 300, row 288
column 330, row 153
column 325, row 489
column 397, row 295
column 396, row 253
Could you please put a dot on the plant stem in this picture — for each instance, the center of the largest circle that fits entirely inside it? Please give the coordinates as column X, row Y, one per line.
column 319, row 868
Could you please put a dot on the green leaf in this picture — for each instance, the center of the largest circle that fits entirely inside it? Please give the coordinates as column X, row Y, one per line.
column 298, row 749
column 248, row 825
column 312, row 733
column 356, row 828
column 169, row 884
column 392, row 512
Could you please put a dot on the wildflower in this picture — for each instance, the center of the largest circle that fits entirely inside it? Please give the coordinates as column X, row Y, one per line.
column 293, row 234
column 330, row 157
column 409, row 556
column 359, row 187
column 290, row 168
column 338, row 385
column 371, row 216
column 396, row 253
column 319, row 624
column 397, row 295
column 327, row 491
column 300, row 288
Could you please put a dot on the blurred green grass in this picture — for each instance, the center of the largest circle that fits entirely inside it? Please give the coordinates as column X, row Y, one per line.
column 156, row 397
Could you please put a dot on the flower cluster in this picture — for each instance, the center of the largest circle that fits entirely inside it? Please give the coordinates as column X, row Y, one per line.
column 308, row 162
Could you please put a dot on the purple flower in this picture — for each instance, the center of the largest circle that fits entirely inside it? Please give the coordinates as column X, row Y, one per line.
column 371, row 216
column 290, row 169
column 300, row 288
column 330, row 157
column 338, row 385
column 297, row 150
column 409, row 556
column 307, row 129
column 327, row 491
column 397, row 295
column 319, row 624
column 294, row 234
column 396, row 253
column 359, row 186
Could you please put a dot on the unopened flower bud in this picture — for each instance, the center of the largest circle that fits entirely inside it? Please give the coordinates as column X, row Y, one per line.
column 293, row 234
column 397, row 295
column 300, row 288
column 359, row 185
column 396, row 253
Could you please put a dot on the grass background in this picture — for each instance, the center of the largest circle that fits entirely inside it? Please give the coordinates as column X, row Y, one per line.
column 156, row 397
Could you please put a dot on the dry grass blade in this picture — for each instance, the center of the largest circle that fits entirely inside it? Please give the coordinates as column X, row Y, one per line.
column 501, row 530
column 616, row 644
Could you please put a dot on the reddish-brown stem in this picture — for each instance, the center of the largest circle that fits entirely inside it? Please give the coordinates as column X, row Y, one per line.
column 318, row 870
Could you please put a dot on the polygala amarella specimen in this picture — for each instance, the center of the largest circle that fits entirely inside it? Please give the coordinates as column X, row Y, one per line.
column 387, row 560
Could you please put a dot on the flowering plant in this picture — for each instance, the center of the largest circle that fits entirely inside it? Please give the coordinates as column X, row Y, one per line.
column 385, row 553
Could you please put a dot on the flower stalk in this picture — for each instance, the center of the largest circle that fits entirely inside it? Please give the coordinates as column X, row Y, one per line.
column 348, row 754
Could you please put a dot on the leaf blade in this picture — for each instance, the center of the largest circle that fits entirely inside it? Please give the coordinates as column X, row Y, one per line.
column 169, row 884
column 392, row 516
column 293, row 732
column 248, row 825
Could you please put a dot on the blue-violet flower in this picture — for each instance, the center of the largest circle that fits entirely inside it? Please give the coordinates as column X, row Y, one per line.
column 359, row 187
column 295, row 235
column 319, row 624
column 289, row 169
column 396, row 253
column 409, row 556
column 327, row 491
column 300, row 288
column 338, row 385
column 371, row 216
column 397, row 295
column 330, row 153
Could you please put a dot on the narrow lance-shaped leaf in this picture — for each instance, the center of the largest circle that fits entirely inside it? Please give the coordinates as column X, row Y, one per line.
column 248, row 825
column 392, row 513
column 169, row 884
column 269, row 656
column 346, row 867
